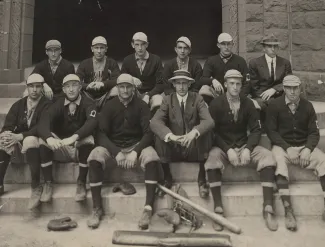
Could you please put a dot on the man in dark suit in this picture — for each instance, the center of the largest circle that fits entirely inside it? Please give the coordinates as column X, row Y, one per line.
column 182, row 126
column 267, row 73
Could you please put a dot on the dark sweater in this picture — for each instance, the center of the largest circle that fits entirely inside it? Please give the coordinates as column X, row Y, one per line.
column 151, row 76
column 86, row 72
column 58, row 120
column 231, row 134
column 54, row 81
column 16, row 119
column 193, row 67
column 215, row 68
column 121, row 127
column 286, row 129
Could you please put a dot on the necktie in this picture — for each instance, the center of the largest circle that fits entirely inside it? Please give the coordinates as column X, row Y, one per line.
column 293, row 108
column 183, row 110
column 72, row 108
column 272, row 71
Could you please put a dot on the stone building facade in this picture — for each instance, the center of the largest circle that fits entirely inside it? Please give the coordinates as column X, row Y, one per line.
column 299, row 24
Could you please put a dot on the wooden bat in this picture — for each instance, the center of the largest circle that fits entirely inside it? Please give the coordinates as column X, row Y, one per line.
column 213, row 216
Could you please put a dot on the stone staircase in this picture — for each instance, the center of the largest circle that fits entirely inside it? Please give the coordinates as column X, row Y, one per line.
column 242, row 193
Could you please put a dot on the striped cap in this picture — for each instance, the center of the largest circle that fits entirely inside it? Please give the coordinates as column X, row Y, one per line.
column 181, row 74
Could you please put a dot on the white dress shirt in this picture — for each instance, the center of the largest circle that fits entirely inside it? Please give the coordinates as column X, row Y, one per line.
column 269, row 61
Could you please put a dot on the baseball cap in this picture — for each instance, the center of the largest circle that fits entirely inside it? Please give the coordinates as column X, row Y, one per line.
column 140, row 36
column 52, row 44
column 232, row 73
column 181, row 74
column 71, row 77
column 270, row 39
column 291, row 80
column 185, row 40
column 99, row 40
column 34, row 78
column 125, row 78
column 224, row 37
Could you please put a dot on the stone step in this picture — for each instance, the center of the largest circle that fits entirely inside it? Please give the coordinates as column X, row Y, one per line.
column 182, row 172
column 238, row 199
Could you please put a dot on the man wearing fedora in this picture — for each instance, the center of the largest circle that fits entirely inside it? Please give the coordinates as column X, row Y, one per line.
column 183, row 61
column 53, row 69
column 212, row 81
column 182, row 127
column 98, row 74
column 267, row 73
column 291, row 124
column 233, row 115
column 146, row 68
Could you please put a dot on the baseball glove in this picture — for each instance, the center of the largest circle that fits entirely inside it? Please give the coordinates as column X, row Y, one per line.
column 61, row 224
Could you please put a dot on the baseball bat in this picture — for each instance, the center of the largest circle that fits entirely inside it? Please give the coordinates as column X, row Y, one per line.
column 213, row 216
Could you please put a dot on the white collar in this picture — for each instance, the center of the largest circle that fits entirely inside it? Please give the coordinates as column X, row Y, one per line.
column 269, row 59
column 180, row 98
column 77, row 101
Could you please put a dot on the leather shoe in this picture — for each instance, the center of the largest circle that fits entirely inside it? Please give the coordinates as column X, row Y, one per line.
column 203, row 190
column 145, row 218
column 290, row 220
column 269, row 218
column 125, row 188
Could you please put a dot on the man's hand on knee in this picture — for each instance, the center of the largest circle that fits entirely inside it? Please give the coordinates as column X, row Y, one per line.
column 245, row 157
column 70, row 140
column 131, row 159
column 233, row 157
column 305, row 157
column 120, row 159
column 293, row 155
column 54, row 143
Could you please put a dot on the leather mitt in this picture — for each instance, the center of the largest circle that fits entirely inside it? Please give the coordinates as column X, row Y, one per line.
column 61, row 224
column 125, row 188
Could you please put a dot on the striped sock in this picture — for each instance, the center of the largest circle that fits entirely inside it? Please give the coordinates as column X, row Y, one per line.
column 267, row 181
column 283, row 186
column 214, row 178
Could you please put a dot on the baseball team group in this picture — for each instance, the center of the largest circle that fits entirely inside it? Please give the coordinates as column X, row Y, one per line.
column 148, row 114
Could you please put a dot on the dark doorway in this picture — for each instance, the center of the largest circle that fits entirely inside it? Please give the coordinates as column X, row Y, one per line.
column 75, row 25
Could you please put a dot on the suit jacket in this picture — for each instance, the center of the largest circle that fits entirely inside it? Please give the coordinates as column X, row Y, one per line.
column 169, row 117
column 261, row 78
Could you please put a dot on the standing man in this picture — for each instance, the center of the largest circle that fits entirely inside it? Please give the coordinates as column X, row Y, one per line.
column 267, row 73
column 182, row 126
column 215, row 68
column 291, row 125
column 19, row 135
column 146, row 68
column 124, row 139
column 98, row 74
column 65, row 128
column 53, row 69
column 234, row 114
column 182, row 62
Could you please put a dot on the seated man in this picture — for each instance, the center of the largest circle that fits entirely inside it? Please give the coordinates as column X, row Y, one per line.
column 19, row 135
column 267, row 72
column 182, row 61
column 53, row 69
column 291, row 125
column 234, row 114
column 146, row 68
column 65, row 128
column 182, row 126
column 98, row 74
column 124, row 139
column 212, row 81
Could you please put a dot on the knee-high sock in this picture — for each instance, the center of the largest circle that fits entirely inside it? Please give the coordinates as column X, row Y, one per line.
column 167, row 173
column 34, row 161
column 95, row 181
column 83, row 153
column 322, row 182
column 267, row 180
column 214, row 178
column 4, row 163
column 46, row 155
column 151, row 177
column 201, row 176
column 283, row 186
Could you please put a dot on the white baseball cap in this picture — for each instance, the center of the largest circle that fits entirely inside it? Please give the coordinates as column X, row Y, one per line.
column 233, row 73
column 99, row 40
column 224, row 37
column 34, row 78
column 291, row 80
column 185, row 40
column 71, row 77
column 125, row 78
column 140, row 36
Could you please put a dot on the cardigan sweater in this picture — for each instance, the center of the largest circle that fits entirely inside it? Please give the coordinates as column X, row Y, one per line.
column 151, row 76
column 286, row 129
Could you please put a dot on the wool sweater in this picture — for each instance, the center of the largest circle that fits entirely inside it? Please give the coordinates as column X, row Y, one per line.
column 151, row 76
column 54, row 80
column 286, row 129
column 122, row 127
column 231, row 134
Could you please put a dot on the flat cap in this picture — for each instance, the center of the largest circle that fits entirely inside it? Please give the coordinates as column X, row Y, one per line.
column 181, row 74
column 34, row 78
column 52, row 44
column 99, row 40
column 270, row 39
column 140, row 36
column 232, row 73
column 291, row 80
column 224, row 37
column 70, row 77
column 125, row 78
column 185, row 40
